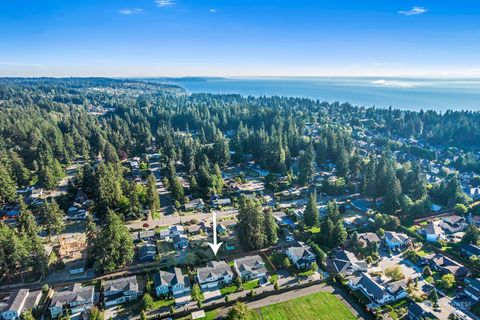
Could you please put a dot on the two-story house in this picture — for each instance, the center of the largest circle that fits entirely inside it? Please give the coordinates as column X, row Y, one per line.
column 301, row 255
column 172, row 282
column 378, row 292
column 215, row 274
column 120, row 290
column 250, row 267
column 72, row 300
column 345, row 263
column 396, row 240
column 19, row 301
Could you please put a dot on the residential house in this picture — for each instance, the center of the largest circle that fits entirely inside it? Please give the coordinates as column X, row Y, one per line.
column 19, row 300
column 419, row 311
column 172, row 231
column 445, row 265
column 369, row 238
column 473, row 289
column 250, row 267
column 469, row 250
column 433, row 232
column 180, row 242
column 218, row 202
column 215, row 274
column 453, row 224
column 301, row 255
column 377, row 291
column 195, row 204
column 147, row 252
column 144, row 235
column 172, row 282
column 76, row 299
column 194, row 229
column 396, row 240
column 120, row 290
column 345, row 263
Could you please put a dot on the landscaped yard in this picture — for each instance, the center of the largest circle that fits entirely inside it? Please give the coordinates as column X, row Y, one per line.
column 228, row 289
column 317, row 306
column 251, row 284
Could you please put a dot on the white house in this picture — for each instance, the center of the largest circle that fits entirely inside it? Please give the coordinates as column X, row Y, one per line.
column 215, row 274
column 301, row 256
column 120, row 290
column 377, row 291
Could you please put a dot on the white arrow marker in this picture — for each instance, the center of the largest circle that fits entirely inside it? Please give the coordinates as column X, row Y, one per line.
column 215, row 246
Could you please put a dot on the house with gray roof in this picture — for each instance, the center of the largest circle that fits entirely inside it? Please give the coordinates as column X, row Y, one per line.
column 445, row 265
column 345, row 263
column 172, row 282
column 19, row 300
column 250, row 267
column 473, row 289
column 369, row 238
column 377, row 291
column 214, row 275
column 76, row 299
column 301, row 255
column 396, row 240
column 121, row 290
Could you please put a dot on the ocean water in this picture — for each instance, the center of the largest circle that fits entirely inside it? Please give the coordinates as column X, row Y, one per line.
column 404, row 93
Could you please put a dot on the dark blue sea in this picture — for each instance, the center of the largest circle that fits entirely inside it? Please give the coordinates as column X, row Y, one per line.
column 404, row 93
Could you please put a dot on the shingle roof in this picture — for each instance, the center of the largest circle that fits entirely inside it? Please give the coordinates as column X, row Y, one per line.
column 121, row 284
column 214, row 268
column 170, row 278
column 371, row 286
column 16, row 300
column 74, row 293
column 250, row 263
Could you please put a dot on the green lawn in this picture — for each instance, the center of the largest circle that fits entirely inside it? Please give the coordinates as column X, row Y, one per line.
column 251, row 284
column 317, row 306
column 228, row 289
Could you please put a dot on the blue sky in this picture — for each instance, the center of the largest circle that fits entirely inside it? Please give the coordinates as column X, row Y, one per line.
column 239, row 38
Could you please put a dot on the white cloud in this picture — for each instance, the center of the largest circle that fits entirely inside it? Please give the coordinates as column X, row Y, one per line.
column 393, row 83
column 213, row 10
column 128, row 11
column 164, row 3
column 413, row 11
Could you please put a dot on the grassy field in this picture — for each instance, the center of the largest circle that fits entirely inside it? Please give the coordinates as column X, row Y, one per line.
column 317, row 306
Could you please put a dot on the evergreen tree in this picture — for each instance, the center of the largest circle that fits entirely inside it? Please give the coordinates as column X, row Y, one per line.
column 52, row 218
column 113, row 247
column 153, row 200
column 250, row 217
column 306, row 166
column 270, row 228
column 8, row 189
column 310, row 214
